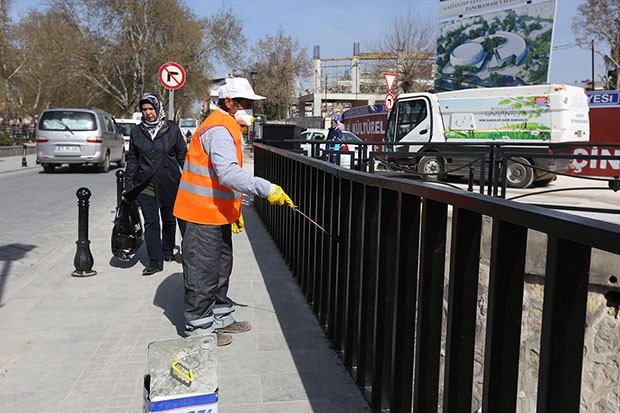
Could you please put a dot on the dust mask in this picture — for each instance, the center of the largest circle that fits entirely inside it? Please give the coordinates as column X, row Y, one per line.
column 244, row 116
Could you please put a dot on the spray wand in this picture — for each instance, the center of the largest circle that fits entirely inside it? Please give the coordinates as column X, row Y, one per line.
column 296, row 209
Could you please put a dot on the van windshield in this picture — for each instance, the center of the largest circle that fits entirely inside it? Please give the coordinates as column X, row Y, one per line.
column 125, row 128
column 68, row 120
column 407, row 115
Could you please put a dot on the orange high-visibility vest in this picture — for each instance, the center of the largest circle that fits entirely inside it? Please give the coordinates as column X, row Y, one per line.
column 200, row 198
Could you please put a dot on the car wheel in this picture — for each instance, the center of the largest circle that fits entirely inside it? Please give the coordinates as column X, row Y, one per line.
column 432, row 166
column 519, row 174
column 48, row 168
column 121, row 162
column 105, row 165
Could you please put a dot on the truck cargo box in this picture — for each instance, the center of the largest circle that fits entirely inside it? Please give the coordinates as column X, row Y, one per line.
column 547, row 113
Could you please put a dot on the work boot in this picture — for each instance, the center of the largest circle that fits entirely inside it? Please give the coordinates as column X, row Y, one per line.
column 235, row 327
column 223, row 339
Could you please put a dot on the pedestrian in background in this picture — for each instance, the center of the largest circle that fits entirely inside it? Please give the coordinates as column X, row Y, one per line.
column 156, row 154
column 209, row 200
column 334, row 134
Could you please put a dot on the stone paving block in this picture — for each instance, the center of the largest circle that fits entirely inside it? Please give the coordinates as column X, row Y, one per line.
column 238, row 389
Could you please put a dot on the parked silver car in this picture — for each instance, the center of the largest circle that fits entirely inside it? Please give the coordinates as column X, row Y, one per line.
column 77, row 137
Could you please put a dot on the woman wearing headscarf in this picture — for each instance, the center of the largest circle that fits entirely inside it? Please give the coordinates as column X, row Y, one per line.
column 154, row 162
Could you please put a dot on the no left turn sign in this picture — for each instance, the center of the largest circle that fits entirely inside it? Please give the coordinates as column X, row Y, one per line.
column 389, row 101
column 171, row 75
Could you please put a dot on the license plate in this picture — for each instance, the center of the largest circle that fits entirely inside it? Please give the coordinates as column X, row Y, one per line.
column 67, row 148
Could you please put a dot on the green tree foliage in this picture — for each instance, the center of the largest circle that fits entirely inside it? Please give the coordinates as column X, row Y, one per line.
column 599, row 20
column 6, row 139
column 104, row 53
column 280, row 61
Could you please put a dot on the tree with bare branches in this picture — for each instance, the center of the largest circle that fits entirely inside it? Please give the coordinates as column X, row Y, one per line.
column 106, row 52
column 599, row 21
column 407, row 47
column 279, row 62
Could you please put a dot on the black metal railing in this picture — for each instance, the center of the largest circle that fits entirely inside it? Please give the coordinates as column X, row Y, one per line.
column 377, row 284
column 481, row 164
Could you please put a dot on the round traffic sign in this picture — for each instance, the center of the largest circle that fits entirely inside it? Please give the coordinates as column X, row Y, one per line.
column 389, row 101
column 171, row 75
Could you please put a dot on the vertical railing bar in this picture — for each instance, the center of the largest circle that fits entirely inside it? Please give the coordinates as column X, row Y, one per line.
column 408, row 219
column 356, row 253
column 462, row 309
column 387, row 297
column 503, row 330
column 563, row 326
column 343, row 271
column 332, row 264
column 327, row 253
column 430, row 306
column 370, row 309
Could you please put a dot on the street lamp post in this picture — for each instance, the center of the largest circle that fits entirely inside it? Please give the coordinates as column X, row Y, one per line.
column 593, row 84
column 253, row 74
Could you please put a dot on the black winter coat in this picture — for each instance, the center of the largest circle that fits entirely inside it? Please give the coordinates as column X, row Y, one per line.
column 160, row 159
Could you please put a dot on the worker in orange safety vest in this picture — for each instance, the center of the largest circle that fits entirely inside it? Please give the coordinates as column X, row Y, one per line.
column 209, row 200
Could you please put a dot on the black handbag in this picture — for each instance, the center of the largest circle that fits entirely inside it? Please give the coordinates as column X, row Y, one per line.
column 127, row 233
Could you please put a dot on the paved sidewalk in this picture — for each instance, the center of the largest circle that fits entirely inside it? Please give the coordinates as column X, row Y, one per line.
column 80, row 344
column 14, row 163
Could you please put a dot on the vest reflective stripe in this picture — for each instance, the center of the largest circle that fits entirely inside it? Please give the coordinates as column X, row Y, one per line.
column 200, row 198
column 200, row 170
column 208, row 192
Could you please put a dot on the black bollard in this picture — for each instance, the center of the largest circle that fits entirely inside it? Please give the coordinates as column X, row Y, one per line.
column 25, row 150
column 120, row 185
column 83, row 260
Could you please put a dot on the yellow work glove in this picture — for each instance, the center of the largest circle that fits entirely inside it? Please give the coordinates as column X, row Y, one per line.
column 279, row 197
column 238, row 225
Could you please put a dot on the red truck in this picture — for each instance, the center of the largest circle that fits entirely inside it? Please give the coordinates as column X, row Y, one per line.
column 368, row 122
column 604, row 128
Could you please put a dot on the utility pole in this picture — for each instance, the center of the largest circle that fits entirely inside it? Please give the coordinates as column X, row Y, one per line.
column 592, row 64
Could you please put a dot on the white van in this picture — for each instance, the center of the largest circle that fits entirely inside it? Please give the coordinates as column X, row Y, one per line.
column 77, row 137
column 125, row 126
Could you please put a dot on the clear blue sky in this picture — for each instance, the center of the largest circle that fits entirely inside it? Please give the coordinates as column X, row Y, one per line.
column 336, row 25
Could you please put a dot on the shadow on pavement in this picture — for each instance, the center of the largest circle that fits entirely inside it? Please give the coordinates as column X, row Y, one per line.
column 8, row 254
column 169, row 297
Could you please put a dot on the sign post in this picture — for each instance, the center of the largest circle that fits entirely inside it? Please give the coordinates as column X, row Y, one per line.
column 389, row 98
column 389, row 101
column 172, row 77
